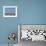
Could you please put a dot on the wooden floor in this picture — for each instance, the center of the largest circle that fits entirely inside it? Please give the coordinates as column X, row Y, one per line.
column 30, row 43
column 9, row 45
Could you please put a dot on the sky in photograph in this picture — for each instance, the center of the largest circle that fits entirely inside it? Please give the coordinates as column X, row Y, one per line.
column 9, row 10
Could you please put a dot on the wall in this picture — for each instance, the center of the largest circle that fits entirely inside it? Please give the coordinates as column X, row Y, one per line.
column 7, row 25
column 29, row 12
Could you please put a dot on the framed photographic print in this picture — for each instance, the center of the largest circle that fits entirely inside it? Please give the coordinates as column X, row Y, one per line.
column 9, row 11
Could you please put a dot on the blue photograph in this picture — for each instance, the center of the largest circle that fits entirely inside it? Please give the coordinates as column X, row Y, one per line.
column 10, row 11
